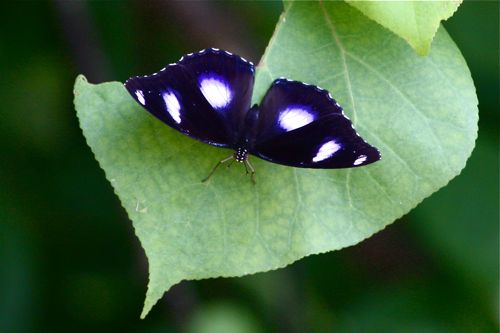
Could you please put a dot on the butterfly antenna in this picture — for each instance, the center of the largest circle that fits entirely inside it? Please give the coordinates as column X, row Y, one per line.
column 229, row 158
column 249, row 166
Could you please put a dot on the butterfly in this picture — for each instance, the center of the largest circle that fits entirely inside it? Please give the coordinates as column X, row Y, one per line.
column 207, row 96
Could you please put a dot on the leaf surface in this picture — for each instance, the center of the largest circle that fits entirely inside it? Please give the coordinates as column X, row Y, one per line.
column 420, row 112
column 415, row 21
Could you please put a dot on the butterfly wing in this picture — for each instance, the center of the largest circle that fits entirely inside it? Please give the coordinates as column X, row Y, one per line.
column 226, row 81
column 200, row 96
column 303, row 126
column 173, row 97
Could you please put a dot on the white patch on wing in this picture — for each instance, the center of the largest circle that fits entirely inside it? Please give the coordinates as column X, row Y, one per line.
column 173, row 106
column 326, row 151
column 216, row 90
column 360, row 159
column 140, row 96
column 295, row 117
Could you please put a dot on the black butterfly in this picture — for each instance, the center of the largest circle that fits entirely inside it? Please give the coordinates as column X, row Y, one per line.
column 207, row 96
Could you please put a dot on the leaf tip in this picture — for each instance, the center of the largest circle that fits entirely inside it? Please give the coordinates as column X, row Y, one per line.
column 79, row 81
column 156, row 290
column 422, row 49
column 149, row 302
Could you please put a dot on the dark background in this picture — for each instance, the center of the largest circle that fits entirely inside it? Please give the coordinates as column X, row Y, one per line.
column 69, row 260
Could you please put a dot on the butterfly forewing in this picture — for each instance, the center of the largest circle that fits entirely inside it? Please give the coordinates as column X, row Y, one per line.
column 226, row 81
column 303, row 126
column 205, row 95
column 173, row 96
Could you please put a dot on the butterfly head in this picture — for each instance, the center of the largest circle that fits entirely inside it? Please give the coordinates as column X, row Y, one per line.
column 240, row 155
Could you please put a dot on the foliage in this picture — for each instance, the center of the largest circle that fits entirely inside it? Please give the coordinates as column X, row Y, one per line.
column 421, row 112
column 415, row 21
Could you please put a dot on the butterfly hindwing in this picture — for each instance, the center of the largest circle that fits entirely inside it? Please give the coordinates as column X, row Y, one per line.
column 288, row 105
column 204, row 95
column 303, row 126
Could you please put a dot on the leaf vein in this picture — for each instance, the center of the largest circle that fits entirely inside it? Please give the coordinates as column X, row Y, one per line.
column 424, row 117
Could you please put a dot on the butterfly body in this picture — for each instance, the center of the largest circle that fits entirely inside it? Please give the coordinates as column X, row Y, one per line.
column 207, row 96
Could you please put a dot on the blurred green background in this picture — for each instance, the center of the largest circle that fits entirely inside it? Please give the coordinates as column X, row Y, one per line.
column 69, row 260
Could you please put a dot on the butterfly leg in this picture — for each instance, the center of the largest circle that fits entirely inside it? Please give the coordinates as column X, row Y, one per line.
column 249, row 166
column 229, row 158
column 230, row 162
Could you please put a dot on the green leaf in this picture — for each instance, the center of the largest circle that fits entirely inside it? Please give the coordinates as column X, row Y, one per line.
column 223, row 317
column 420, row 112
column 415, row 21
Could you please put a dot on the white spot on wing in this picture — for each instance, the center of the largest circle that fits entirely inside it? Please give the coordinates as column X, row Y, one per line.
column 140, row 96
column 326, row 151
column 173, row 106
column 360, row 159
column 295, row 117
column 216, row 90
